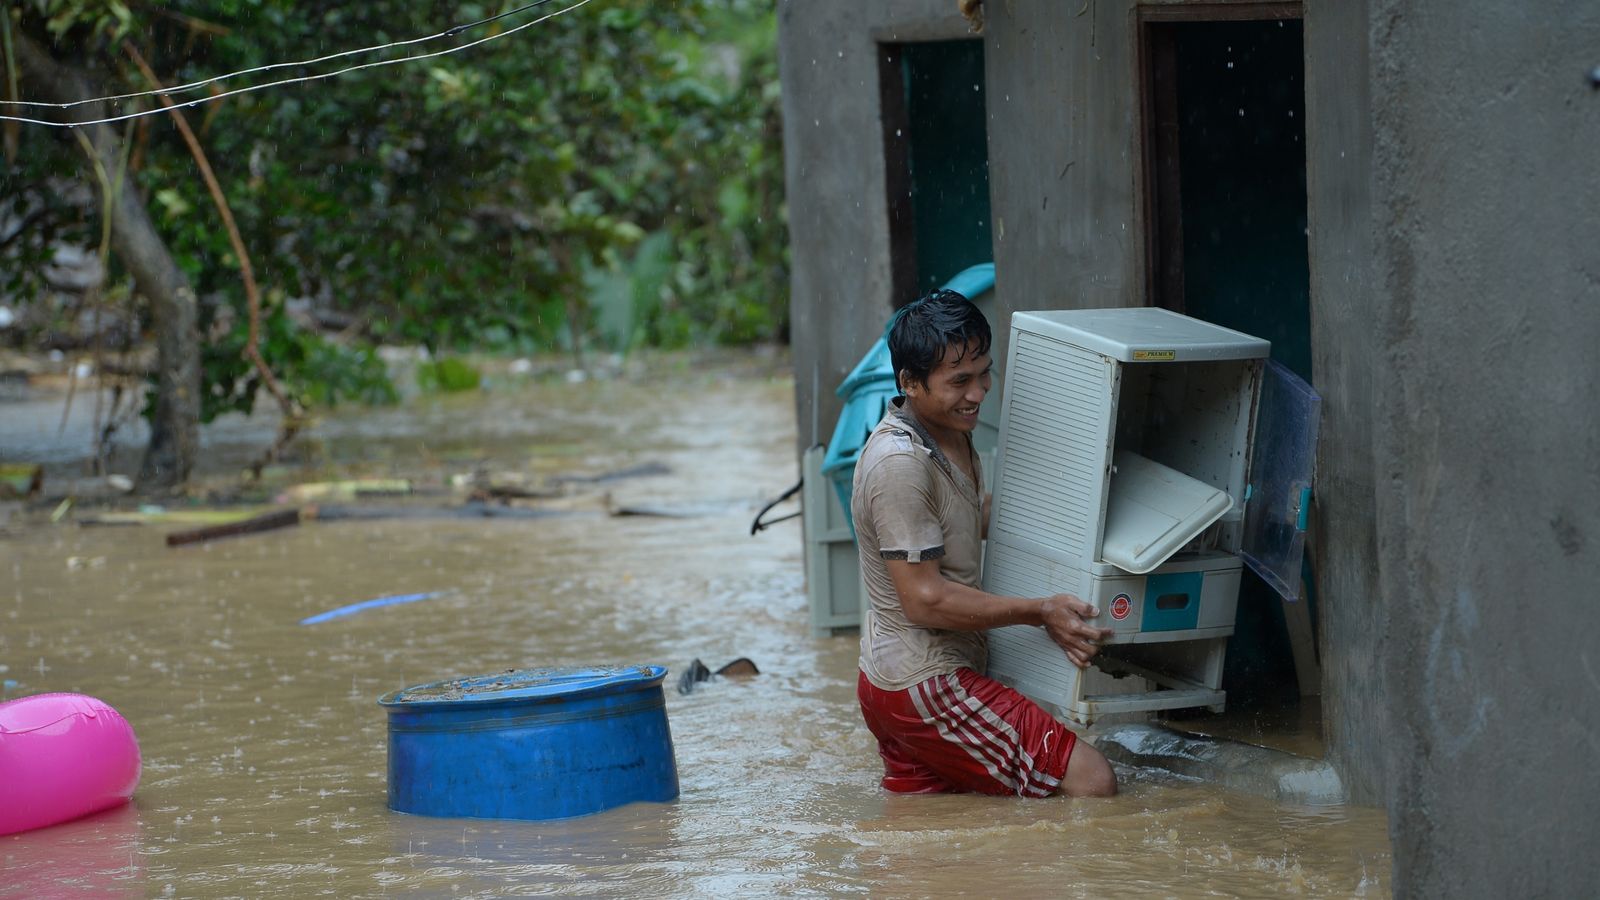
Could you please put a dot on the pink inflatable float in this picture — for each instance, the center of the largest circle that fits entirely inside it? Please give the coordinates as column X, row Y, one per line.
column 62, row 756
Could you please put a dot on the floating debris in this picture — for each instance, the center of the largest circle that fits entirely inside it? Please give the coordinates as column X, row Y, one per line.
column 353, row 608
column 743, row 667
column 345, row 490
column 475, row 510
column 280, row 519
column 643, row 470
column 20, row 480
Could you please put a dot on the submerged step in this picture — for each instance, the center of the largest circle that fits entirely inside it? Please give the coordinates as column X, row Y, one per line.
column 1275, row 774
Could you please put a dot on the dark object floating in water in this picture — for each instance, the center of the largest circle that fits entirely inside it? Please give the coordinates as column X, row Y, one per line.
column 739, row 668
column 640, row 471
column 282, row 518
column 697, row 672
column 465, row 511
column 680, row 511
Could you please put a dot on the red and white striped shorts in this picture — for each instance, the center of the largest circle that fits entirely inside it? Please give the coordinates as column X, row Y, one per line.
column 965, row 732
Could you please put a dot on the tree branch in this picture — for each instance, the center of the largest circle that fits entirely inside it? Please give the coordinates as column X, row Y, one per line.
column 293, row 415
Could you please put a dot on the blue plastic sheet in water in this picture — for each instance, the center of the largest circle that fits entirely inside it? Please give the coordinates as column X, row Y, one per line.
column 368, row 604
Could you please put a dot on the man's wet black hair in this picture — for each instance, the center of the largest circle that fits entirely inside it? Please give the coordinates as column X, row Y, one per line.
column 922, row 329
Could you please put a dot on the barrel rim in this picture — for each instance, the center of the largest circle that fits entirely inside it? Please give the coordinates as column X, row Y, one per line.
column 577, row 682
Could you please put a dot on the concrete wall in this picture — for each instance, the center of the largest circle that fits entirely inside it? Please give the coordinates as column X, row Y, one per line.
column 1455, row 276
column 1346, row 357
column 1453, row 197
column 1062, row 157
column 1487, row 417
column 1065, row 176
column 834, row 168
column 1069, row 232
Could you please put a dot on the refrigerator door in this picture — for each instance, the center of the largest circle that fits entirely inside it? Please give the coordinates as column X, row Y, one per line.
column 1282, row 464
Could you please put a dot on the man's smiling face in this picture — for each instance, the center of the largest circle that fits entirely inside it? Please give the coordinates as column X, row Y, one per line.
column 955, row 389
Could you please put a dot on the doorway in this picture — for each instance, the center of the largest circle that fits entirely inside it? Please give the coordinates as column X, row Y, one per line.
column 936, row 155
column 1223, row 100
column 1226, row 176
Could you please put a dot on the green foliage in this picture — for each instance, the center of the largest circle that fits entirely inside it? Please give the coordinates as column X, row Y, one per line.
column 311, row 368
column 609, row 178
column 105, row 20
column 625, row 294
column 449, row 374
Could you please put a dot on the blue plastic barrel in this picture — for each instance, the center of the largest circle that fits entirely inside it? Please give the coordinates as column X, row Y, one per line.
column 531, row 743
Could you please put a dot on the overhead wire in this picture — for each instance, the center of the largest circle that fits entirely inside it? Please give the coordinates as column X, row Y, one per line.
column 449, row 32
column 184, row 104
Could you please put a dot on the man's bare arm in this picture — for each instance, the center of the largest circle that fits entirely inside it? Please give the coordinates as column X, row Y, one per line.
column 933, row 601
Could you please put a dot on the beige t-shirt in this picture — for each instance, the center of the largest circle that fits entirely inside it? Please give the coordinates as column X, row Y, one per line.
column 909, row 502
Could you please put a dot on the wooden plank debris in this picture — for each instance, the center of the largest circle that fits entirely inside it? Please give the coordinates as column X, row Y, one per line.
column 267, row 522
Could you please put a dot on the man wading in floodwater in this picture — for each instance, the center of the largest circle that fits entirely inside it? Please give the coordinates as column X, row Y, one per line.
column 920, row 513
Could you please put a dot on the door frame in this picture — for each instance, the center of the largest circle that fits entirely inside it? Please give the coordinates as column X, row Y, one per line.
column 896, row 121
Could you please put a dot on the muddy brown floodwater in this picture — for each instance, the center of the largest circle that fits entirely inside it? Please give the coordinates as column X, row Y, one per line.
column 264, row 746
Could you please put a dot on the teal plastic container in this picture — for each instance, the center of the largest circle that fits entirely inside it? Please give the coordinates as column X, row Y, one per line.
column 531, row 743
column 866, row 392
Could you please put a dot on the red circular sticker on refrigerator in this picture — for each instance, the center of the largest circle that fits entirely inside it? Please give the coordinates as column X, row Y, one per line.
column 1121, row 605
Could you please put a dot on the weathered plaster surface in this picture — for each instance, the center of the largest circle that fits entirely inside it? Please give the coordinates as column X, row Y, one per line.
column 1487, row 416
column 1455, row 283
column 1062, row 156
column 1345, row 357
column 834, row 167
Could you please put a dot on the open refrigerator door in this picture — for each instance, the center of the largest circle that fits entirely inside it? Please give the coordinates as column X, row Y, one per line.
column 1282, row 466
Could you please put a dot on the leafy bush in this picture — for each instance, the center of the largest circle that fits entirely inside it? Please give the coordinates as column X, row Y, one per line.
column 449, row 374
column 609, row 178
